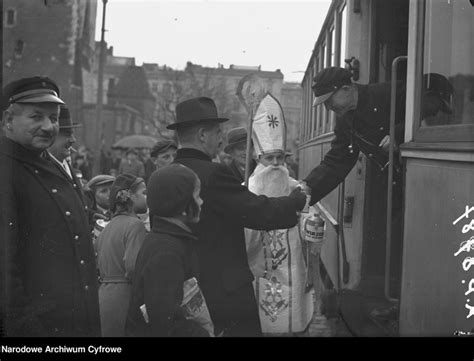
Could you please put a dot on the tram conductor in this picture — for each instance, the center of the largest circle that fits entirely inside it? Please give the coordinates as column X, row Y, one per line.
column 362, row 125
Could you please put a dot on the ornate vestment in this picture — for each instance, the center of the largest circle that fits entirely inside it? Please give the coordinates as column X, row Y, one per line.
column 278, row 262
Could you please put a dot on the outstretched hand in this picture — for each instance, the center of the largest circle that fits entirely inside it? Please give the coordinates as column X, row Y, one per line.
column 304, row 187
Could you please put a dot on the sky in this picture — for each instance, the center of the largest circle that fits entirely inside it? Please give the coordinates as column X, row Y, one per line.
column 272, row 34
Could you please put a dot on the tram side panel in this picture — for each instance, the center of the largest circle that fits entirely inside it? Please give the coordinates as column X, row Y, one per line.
column 437, row 295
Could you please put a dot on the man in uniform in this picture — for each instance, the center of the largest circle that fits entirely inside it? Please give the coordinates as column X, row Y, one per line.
column 225, row 277
column 362, row 124
column 49, row 286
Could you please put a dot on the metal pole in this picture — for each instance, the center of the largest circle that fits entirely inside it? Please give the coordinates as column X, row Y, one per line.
column 388, row 245
column 248, row 155
column 100, row 87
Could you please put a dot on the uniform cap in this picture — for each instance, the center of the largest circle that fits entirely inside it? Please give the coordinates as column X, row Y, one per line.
column 328, row 81
column 99, row 180
column 36, row 89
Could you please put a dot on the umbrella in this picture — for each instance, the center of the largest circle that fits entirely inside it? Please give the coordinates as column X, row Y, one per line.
column 135, row 141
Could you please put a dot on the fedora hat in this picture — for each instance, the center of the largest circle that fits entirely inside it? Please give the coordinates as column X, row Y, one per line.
column 195, row 110
column 65, row 120
column 234, row 137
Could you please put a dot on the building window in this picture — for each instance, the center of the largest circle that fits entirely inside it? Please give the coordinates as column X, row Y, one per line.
column 19, row 47
column 10, row 17
column 447, row 86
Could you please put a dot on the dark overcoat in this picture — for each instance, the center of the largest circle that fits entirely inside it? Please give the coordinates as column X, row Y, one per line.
column 166, row 259
column 225, row 276
column 49, row 284
column 359, row 130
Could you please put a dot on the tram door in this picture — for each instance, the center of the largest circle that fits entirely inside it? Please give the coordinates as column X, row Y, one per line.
column 390, row 39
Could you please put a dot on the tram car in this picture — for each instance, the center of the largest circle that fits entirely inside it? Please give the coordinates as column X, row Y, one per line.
column 422, row 282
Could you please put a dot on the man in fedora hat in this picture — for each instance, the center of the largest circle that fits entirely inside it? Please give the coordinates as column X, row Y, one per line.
column 49, row 286
column 237, row 148
column 225, row 277
column 61, row 149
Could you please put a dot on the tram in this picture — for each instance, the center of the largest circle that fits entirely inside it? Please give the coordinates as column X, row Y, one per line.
column 427, row 276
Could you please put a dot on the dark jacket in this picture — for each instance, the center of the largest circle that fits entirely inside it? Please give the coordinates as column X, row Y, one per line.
column 226, row 279
column 166, row 259
column 362, row 130
column 238, row 173
column 48, row 267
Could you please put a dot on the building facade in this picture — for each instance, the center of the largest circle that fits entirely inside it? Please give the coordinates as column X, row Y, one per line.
column 53, row 38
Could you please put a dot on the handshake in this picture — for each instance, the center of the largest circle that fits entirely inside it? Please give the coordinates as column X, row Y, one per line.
column 301, row 196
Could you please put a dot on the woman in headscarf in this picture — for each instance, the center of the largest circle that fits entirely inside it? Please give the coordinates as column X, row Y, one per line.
column 117, row 248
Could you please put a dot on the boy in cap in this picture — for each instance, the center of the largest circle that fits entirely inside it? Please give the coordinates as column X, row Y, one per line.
column 167, row 258
column 237, row 148
column 48, row 269
column 163, row 153
column 98, row 192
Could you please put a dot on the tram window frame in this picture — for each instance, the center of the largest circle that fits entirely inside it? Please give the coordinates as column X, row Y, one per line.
column 449, row 133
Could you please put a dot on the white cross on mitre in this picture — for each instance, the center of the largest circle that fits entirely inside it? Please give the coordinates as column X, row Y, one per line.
column 269, row 127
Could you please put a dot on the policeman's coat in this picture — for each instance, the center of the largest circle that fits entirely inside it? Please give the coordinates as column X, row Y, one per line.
column 49, row 284
column 228, row 207
column 359, row 130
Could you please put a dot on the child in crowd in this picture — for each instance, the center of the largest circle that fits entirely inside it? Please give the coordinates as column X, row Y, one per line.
column 117, row 248
column 167, row 259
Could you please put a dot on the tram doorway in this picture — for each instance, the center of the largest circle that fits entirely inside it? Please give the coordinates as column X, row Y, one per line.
column 389, row 39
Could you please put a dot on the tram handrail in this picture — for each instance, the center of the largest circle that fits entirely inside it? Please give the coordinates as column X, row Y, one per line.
column 329, row 216
column 388, row 245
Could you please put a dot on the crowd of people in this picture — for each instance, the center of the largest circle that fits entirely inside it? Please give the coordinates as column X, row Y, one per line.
column 167, row 241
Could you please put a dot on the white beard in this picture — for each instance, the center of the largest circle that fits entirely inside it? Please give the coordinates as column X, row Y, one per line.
column 271, row 181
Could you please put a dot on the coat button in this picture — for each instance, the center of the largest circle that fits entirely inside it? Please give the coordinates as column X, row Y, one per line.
column 36, row 171
column 67, row 213
column 375, row 109
column 381, row 128
column 86, row 208
column 74, row 185
column 82, row 261
column 54, row 190
column 10, row 224
column 371, row 155
column 86, row 287
column 76, row 237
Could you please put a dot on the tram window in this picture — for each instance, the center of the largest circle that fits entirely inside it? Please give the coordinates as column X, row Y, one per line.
column 343, row 33
column 332, row 36
column 449, row 52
